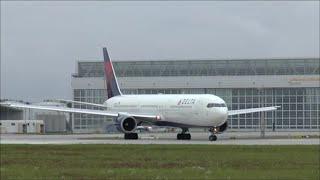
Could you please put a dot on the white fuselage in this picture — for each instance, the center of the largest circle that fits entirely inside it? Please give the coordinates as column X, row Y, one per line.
column 187, row 109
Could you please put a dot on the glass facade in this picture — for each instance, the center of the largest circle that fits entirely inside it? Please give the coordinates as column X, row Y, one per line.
column 243, row 67
column 299, row 106
column 89, row 122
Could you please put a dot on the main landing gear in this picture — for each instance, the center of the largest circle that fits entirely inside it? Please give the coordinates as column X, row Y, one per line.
column 184, row 135
column 213, row 131
column 131, row 136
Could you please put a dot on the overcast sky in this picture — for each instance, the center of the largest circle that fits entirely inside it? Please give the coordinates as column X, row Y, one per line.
column 42, row 41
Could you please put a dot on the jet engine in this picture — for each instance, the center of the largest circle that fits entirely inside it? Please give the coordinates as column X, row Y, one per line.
column 126, row 123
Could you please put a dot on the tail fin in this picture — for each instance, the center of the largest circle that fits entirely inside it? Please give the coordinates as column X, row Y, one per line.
column 111, row 79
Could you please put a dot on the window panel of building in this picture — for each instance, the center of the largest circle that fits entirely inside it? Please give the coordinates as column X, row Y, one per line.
column 204, row 67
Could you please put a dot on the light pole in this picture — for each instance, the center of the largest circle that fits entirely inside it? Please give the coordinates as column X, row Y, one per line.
column 262, row 120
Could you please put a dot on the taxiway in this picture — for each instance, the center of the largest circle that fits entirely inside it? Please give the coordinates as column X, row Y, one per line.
column 229, row 138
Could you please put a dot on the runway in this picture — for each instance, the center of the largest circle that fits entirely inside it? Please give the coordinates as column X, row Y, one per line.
column 228, row 138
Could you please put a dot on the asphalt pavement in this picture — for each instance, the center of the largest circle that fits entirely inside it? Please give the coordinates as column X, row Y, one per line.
column 228, row 138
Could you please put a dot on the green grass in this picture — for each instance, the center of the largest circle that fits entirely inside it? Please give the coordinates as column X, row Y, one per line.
column 159, row 162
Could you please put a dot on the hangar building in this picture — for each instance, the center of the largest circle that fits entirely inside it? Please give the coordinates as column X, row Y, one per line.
column 292, row 83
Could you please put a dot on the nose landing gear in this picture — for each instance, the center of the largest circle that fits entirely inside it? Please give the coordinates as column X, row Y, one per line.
column 184, row 135
column 213, row 131
column 212, row 137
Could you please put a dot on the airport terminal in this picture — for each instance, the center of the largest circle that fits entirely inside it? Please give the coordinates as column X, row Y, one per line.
column 292, row 83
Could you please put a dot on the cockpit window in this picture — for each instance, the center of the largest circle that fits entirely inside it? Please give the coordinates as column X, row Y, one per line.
column 210, row 105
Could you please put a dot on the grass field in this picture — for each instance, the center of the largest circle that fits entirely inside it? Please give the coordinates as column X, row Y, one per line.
column 159, row 162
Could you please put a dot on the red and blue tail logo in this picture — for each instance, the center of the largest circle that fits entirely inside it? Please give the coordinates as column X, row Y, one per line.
column 111, row 80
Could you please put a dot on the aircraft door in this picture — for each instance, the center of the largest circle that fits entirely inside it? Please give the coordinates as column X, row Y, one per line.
column 163, row 108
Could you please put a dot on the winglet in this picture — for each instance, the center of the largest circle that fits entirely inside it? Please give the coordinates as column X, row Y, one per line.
column 111, row 79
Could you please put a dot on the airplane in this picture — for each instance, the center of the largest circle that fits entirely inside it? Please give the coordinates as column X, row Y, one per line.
column 170, row 110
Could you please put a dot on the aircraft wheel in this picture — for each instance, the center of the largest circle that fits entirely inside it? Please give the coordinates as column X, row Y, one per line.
column 183, row 136
column 131, row 136
column 188, row 136
column 180, row 136
column 212, row 138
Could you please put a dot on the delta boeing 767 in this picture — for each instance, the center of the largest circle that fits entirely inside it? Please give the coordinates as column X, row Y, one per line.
column 175, row 110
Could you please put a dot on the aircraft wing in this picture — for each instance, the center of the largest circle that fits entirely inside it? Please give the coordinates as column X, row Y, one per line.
column 252, row 110
column 79, row 102
column 140, row 117
column 60, row 109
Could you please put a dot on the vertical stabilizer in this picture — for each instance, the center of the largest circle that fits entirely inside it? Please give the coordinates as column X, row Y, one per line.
column 111, row 79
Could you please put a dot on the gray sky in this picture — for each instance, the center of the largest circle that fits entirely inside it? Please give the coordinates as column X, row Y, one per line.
column 41, row 41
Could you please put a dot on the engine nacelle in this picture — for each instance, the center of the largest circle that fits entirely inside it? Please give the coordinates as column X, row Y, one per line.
column 126, row 124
